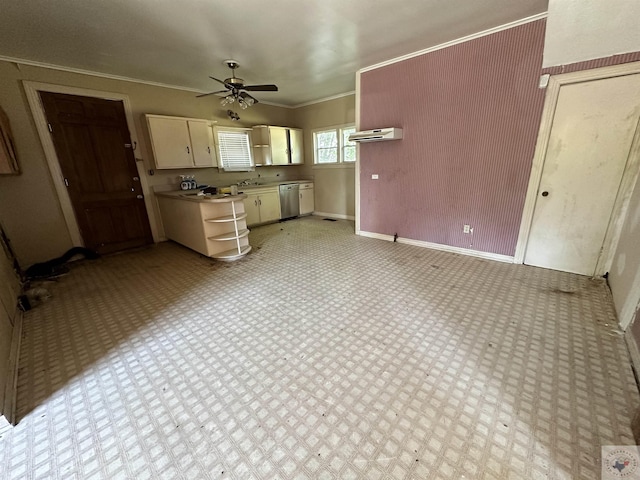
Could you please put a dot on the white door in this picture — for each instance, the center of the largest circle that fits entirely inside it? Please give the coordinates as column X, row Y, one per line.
column 591, row 135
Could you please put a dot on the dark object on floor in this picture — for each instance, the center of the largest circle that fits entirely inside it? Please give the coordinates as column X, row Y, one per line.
column 32, row 298
column 329, row 219
column 56, row 267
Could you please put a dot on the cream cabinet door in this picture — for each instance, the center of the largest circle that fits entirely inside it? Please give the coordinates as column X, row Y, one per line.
column 307, row 203
column 252, row 208
column 295, row 145
column 170, row 142
column 279, row 146
column 269, row 206
column 201, row 143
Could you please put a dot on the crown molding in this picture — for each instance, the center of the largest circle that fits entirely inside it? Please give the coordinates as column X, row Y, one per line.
column 326, row 99
column 80, row 71
column 457, row 41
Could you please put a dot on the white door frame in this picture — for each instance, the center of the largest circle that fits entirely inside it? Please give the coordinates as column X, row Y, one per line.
column 40, row 118
column 628, row 177
column 357, row 171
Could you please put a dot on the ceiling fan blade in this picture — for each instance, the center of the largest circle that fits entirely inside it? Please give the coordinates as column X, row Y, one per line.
column 214, row 78
column 260, row 88
column 211, row 93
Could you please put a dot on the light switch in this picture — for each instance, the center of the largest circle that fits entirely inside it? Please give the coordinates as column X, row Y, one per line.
column 374, row 176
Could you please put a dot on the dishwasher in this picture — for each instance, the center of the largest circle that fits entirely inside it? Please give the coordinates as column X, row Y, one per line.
column 289, row 200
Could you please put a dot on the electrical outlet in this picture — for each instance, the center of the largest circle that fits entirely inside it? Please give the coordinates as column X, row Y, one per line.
column 466, row 229
column 374, row 176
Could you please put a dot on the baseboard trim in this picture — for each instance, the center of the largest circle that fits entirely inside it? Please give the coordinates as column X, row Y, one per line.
column 11, row 389
column 339, row 216
column 436, row 246
column 634, row 351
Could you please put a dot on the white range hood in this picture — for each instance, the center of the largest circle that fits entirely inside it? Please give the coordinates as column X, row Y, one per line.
column 376, row 135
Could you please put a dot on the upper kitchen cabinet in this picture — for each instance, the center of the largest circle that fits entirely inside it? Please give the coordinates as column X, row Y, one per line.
column 295, row 146
column 179, row 142
column 277, row 145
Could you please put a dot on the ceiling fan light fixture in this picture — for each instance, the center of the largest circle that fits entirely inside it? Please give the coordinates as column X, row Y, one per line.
column 236, row 90
column 229, row 99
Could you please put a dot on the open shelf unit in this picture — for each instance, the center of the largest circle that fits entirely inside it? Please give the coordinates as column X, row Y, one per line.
column 216, row 227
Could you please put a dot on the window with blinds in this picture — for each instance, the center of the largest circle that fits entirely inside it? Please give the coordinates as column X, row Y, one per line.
column 234, row 149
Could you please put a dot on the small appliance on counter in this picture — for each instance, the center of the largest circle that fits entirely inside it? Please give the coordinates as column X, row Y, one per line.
column 188, row 182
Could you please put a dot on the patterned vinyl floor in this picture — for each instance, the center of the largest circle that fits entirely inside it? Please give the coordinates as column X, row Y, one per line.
column 320, row 355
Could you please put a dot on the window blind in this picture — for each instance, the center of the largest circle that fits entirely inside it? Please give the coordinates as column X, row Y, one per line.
column 235, row 150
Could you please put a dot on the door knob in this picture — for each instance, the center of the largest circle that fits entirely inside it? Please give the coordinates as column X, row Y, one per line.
column 545, row 194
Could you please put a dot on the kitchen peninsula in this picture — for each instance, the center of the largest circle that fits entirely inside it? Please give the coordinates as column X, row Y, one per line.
column 213, row 225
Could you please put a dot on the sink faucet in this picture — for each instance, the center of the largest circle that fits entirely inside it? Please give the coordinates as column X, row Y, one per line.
column 244, row 183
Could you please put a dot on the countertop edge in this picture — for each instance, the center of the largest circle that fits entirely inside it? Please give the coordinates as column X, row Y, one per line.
column 188, row 196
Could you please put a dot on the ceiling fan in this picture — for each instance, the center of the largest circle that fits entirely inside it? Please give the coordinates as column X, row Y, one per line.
column 236, row 90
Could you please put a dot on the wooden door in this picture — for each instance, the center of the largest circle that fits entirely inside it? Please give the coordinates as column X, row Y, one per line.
column 589, row 145
column 93, row 146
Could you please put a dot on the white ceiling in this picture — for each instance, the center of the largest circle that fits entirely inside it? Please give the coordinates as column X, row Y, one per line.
column 310, row 48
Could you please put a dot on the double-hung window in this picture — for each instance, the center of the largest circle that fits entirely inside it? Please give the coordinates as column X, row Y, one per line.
column 234, row 149
column 331, row 146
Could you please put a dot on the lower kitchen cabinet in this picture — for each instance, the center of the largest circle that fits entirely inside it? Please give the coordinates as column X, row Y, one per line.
column 307, row 203
column 262, row 206
column 213, row 226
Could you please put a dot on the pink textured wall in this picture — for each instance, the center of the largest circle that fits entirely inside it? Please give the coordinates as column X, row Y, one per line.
column 596, row 63
column 470, row 115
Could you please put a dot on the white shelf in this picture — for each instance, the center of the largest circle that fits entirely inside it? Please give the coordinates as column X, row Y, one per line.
column 230, row 255
column 230, row 235
column 226, row 218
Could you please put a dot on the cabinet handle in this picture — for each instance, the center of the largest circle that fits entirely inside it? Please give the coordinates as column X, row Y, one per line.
column 259, row 202
column 188, row 150
column 139, row 197
column 255, row 202
column 209, row 150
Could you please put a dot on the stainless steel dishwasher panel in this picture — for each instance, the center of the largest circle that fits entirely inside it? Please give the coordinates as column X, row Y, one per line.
column 289, row 200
